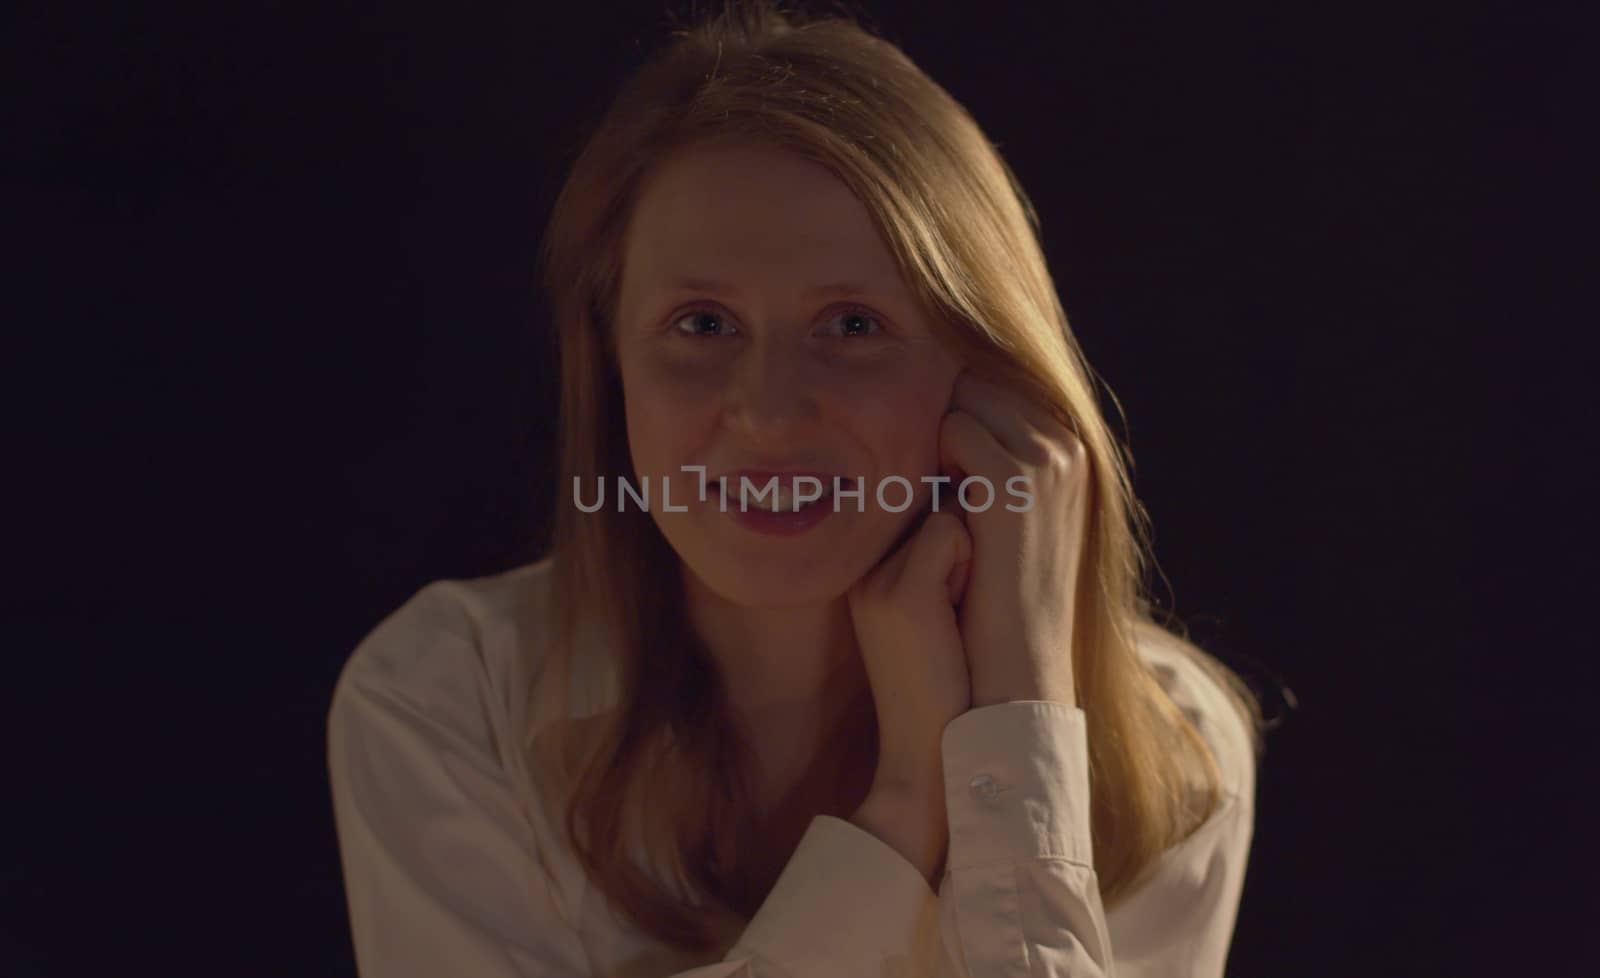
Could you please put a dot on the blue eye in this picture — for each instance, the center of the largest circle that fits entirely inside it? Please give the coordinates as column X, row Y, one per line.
column 858, row 324
column 857, row 319
column 699, row 316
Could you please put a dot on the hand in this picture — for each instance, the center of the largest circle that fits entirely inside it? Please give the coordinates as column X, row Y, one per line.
column 904, row 616
column 1018, row 612
column 903, row 612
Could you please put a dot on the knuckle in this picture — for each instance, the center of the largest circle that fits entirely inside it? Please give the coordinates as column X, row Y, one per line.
column 863, row 594
column 945, row 528
column 1058, row 461
column 956, row 424
column 1063, row 457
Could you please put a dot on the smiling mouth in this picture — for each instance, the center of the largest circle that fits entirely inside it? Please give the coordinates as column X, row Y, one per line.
column 784, row 500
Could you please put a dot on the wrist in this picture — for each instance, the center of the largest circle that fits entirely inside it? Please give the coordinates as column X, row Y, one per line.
column 1031, row 689
column 910, row 820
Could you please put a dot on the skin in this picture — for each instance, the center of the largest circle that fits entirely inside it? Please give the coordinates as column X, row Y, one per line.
column 766, row 373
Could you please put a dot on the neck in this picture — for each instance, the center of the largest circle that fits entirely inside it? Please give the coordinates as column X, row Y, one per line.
column 794, row 678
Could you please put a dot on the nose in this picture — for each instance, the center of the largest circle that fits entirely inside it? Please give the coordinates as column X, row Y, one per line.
column 771, row 394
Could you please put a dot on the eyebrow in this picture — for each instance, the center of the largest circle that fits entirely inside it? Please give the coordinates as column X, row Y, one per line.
column 723, row 288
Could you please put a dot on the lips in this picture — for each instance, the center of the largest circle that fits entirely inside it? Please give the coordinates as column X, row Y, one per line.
column 760, row 477
column 787, row 488
column 784, row 486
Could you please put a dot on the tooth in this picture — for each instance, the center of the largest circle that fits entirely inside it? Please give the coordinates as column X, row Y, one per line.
column 783, row 500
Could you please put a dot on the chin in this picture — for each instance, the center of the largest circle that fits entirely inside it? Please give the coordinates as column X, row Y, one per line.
column 768, row 584
column 757, row 572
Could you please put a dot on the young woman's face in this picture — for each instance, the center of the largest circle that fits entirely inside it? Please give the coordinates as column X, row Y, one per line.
column 733, row 356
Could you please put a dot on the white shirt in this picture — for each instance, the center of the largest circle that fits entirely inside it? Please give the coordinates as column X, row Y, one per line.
column 455, row 864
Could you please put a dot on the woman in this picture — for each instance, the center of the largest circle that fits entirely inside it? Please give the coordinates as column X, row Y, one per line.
column 914, row 727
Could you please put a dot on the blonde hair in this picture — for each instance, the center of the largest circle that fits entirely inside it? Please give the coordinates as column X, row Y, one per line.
column 966, row 239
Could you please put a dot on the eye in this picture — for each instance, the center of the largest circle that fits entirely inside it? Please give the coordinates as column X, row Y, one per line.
column 698, row 319
column 857, row 323
column 705, row 322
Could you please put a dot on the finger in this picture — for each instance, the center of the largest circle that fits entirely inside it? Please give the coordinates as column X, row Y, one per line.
column 948, row 500
column 978, row 390
column 883, row 575
column 1025, row 426
column 939, row 548
column 956, row 583
column 967, row 445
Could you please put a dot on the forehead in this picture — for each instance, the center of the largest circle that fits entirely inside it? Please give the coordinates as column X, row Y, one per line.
column 740, row 211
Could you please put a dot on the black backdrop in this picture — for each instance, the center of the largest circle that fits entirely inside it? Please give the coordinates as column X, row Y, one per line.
column 279, row 360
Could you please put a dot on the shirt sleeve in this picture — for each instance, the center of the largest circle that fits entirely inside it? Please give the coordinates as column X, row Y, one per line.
column 1021, row 897
column 443, row 877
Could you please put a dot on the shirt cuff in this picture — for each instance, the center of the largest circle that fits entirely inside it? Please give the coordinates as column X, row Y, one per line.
column 846, row 904
column 1016, row 780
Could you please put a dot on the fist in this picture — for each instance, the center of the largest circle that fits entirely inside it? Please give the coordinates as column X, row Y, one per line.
column 904, row 615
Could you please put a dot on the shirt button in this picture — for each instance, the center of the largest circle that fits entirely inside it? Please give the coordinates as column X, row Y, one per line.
column 983, row 787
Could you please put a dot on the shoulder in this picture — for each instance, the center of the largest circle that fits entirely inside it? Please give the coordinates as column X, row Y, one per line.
column 1204, row 700
column 456, row 650
column 1179, row 914
column 426, row 741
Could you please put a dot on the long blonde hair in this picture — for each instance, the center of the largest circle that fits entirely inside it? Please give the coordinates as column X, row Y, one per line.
column 966, row 238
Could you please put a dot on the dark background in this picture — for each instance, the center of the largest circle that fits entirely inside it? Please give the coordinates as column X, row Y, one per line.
column 277, row 360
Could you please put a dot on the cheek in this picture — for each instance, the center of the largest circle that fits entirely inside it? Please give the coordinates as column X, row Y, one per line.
column 900, row 420
column 668, row 409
